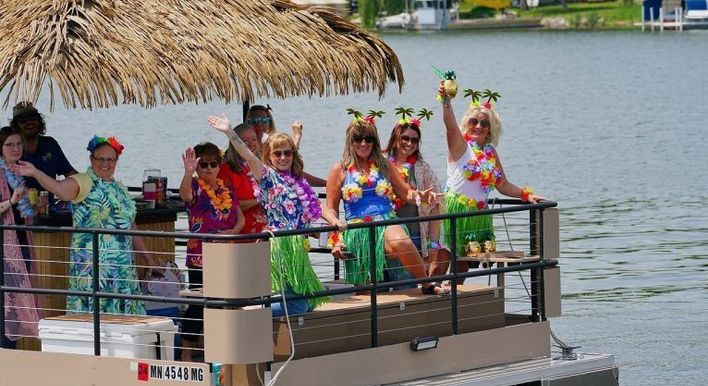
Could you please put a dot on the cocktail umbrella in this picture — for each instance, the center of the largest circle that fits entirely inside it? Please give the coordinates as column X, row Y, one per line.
column 98, row 53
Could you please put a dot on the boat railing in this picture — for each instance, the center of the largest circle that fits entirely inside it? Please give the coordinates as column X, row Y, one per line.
column 48, row 282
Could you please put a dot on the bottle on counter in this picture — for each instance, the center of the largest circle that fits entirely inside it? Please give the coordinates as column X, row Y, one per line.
column 150, row 178
column 43, row 204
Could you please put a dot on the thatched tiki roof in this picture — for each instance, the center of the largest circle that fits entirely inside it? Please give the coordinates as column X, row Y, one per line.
column 98, row 53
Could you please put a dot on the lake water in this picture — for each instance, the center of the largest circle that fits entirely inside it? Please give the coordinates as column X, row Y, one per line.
column 611, row 125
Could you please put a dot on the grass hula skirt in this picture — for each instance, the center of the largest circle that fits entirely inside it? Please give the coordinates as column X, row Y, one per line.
column 474, row 228
column 289, row 257
column 357, row 270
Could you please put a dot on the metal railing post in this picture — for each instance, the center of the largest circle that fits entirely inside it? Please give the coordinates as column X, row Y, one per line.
column 534, row 249
column 542, row 271
column 2, row 293
column 374, row 305
column 453, row 270
column 94, row 297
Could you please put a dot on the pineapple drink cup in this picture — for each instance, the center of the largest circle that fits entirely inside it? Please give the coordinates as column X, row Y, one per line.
column 449, row 81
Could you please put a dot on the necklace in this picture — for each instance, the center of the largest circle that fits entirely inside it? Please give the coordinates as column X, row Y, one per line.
column 482, row 166
column 404, row 170
column 309, row 201
column 353, row 191
column 222, row 201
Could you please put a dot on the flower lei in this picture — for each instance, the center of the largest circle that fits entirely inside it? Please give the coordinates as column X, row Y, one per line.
column 17, row 182
column 222, row 202
column 352, row 192
column 404, row 170
column 482, row 166
column 471, row 202
column 311, row 209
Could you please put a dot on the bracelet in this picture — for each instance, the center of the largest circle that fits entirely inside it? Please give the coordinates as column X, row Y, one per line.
column 445, row 101
column 333, row 240
column 525, row 192
column 434, row 244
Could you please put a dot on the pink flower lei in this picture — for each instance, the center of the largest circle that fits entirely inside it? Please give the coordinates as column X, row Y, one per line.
column 309, row 200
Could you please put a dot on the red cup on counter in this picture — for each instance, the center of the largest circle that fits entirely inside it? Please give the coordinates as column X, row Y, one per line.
column 150, row 194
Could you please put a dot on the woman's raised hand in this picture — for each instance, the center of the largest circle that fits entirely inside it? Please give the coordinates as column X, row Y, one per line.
column 441, row 90
column 221, row 124
column 297, row 128
column 190, row 160
column 23, row 168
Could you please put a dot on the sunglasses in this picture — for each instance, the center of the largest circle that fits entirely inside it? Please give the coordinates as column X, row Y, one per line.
column 280, row 153
column 365, row 138
column 413, row 140
column 484, row 122
column 257, row 120
column 212, row 164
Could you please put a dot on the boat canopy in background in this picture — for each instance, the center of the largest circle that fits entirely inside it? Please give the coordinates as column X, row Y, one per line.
column 98, row 53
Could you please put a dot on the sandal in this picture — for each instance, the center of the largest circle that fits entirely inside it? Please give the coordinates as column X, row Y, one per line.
column 434, row 289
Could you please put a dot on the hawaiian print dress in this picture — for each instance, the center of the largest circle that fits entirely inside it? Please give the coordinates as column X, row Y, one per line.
column 470, row 180
column 107, row 206
column 211, row 211
column 290, row 203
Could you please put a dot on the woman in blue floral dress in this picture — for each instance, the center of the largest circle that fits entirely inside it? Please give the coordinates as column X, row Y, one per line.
column 365, row 180
column 290, row 203
column 99, row 201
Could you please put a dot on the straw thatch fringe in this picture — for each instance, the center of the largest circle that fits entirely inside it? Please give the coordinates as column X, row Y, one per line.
column 98, row 53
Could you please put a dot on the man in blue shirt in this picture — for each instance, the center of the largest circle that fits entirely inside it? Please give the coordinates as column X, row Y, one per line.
column 40, row 150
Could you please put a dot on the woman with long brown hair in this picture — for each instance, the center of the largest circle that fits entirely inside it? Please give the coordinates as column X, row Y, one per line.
column 364, row 179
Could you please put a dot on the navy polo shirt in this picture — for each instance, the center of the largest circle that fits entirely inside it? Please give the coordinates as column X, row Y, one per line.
column 49, row 158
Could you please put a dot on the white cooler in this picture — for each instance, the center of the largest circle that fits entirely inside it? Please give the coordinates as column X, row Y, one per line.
column 147, row 337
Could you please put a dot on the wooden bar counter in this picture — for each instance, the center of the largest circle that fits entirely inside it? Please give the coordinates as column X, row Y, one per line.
column 52, row 250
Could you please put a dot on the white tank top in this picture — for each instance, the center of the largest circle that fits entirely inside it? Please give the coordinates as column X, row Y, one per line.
column 457, row 183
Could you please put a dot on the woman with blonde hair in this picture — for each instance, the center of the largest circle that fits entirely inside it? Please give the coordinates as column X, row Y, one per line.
column 290, row 203
column 365, row 180
column 474, row 169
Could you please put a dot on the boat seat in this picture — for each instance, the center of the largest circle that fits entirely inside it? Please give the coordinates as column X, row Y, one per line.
column 344, row 324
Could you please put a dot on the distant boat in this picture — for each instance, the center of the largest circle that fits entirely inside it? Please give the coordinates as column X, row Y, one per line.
column 425, row 15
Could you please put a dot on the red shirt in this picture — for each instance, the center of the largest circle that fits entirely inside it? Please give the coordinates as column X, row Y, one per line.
column 242, row 185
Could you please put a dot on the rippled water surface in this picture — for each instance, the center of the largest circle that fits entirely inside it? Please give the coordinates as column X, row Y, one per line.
column 610, row 125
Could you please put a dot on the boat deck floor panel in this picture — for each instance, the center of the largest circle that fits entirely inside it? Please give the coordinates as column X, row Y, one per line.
column 601, row 365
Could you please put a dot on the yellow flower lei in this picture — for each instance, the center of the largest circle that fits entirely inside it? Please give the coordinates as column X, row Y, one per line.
column 222, row 202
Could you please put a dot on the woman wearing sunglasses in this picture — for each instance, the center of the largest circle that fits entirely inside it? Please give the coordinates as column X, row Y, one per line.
column 365, row 180
column 403, row 151
column 290, row 203
column 211, row 208
column 261, row 118
column 474, row 169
